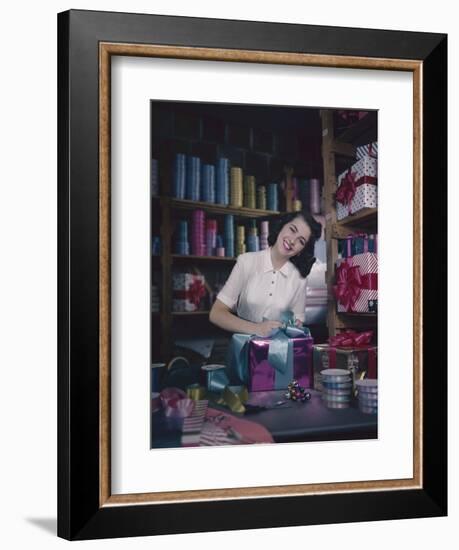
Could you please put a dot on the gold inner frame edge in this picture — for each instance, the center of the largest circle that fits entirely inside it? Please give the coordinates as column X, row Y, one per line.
column 106, row 50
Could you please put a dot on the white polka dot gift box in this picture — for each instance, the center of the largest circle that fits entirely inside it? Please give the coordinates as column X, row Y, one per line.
column 356, row 287
column 357, row 188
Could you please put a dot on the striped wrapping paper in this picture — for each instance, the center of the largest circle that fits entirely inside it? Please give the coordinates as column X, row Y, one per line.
column 192, row 425
column 368, row 263
column 370, row 149
column 213, row 435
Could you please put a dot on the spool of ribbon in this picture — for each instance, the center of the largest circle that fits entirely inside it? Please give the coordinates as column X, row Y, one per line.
column 350, row 282
column 155, row 401
column 196, row 392
column 280, row 351
column 350, row 241
column 176, row 403
column 218, row 383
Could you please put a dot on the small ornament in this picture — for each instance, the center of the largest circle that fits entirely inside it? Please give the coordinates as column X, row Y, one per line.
column 295, row 392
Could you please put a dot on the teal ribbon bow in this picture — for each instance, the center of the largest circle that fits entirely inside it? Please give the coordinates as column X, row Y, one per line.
column 280, row 351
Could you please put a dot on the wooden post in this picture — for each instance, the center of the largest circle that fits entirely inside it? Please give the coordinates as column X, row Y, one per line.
column 166, row 283
column 328, row 157
column 289, row 191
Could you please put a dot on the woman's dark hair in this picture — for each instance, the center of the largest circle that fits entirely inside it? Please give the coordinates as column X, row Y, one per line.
column 305, row 260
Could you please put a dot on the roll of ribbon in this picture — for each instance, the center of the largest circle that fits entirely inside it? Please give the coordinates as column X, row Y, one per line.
column 157, row 373
column 176, row 403
column 179, row 176
column 196, row 392
column 155, row 401
column 217, row 382
column 315, row 195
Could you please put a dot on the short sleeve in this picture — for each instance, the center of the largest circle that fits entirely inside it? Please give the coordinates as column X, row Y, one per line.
column 299, row 300
column 229, row 294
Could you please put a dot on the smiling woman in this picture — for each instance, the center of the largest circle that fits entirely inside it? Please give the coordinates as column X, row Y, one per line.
column 264, row 284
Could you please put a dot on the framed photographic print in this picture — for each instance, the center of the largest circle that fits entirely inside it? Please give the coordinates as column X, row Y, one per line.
column 251, row 332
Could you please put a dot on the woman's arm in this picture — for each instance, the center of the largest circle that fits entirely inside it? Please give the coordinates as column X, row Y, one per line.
column 221, row 315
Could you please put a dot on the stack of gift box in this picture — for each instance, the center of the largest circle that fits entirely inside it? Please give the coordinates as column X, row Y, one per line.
column 351, row 351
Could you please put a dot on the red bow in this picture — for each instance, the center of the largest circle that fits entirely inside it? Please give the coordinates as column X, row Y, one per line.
column 196, row 292
column 351, row 339
column 348, row 285
column 346, row 190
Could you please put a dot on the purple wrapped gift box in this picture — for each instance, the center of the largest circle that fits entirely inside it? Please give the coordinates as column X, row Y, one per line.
column 263, row 377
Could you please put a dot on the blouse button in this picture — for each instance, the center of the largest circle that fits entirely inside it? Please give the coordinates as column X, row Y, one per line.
column 270, row 294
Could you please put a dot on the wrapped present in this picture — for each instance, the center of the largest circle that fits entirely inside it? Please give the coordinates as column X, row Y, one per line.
column 357, row 188
column 358, row 243
column 188, row 291
column 356, row 288
column 370, row 149
column 264, row 364
column 351, row 117
column 349, row 350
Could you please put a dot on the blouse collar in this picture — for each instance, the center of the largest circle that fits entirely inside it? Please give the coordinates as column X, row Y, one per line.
column 286, row 269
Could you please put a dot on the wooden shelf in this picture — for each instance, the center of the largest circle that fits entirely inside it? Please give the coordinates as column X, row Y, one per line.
column 185, row 257
column 355, row 320
column 366, row 216
column 357, row 314
column 188, row 313
column 213, row 208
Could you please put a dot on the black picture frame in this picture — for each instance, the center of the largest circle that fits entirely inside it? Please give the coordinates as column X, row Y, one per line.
column 80, row 512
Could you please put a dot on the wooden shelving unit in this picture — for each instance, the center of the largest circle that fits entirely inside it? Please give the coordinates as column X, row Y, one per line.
column 262, row 142
column 213, row 208
column 366, row 220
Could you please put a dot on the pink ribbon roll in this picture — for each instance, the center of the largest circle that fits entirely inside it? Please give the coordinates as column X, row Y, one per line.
column 176, row 403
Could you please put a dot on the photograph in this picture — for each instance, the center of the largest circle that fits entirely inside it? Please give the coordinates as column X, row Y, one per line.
column 264, row 274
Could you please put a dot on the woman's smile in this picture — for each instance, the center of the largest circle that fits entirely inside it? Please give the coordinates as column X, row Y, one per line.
column 288, row 245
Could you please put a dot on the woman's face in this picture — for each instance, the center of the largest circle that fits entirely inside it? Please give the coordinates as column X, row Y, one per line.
column 293, row 237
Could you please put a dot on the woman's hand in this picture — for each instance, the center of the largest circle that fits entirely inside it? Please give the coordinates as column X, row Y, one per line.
column 298, row 323
column 265, row 328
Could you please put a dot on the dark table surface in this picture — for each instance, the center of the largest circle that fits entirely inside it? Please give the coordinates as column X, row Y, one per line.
column 290, row 422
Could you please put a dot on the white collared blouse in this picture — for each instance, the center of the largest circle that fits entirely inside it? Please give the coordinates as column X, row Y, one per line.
column 256, row 291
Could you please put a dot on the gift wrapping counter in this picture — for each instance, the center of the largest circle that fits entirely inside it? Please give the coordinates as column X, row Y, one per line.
column 288, row 422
